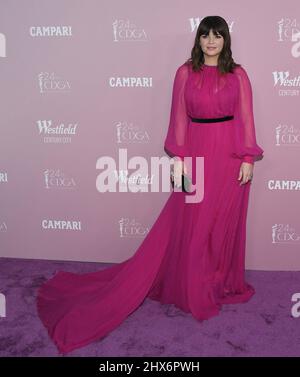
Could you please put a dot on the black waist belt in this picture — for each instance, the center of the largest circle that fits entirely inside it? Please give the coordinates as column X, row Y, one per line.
column 211, row 120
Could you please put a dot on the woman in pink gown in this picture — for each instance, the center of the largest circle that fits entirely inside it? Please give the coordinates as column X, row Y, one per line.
column 194, row 255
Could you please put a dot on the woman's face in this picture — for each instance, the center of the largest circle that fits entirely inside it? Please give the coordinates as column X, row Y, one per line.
column 211, row 44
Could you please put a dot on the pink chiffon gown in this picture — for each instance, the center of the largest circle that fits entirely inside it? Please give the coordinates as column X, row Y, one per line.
column 194, row 254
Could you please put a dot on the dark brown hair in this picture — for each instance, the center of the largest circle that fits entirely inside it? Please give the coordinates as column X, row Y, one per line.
column 218, row 26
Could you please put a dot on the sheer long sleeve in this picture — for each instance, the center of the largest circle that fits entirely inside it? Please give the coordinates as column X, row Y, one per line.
column 246, row 147
column 176, row 142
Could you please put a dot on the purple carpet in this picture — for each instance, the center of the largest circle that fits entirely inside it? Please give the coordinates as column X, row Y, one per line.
column 262, row 327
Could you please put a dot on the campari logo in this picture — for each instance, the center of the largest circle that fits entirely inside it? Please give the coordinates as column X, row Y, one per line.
column 50, row 31
column 53, row 224
column 130, row 82
column 284, row 184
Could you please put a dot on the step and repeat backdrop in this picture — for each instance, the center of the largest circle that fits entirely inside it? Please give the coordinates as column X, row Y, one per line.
column 86, row 84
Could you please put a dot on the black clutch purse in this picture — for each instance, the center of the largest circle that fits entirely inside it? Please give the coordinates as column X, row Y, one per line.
column 185, row 182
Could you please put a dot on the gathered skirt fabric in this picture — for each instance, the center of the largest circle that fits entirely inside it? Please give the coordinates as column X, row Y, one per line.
column 192, row 257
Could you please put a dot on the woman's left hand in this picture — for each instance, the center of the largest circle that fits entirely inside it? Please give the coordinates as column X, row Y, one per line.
column 246, row 172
